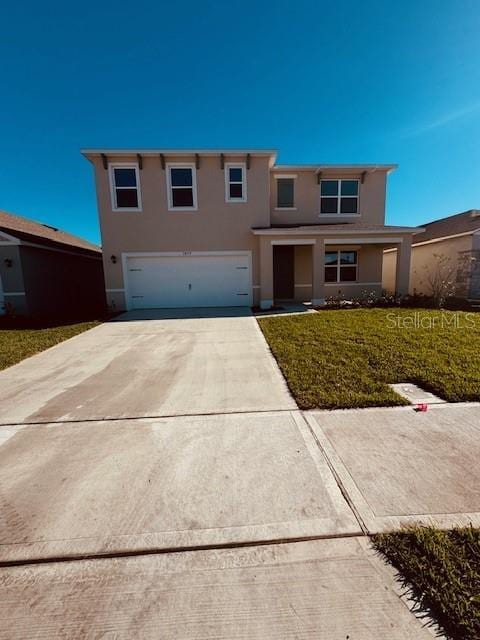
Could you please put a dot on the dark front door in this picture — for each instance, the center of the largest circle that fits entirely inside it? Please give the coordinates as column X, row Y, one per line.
column 283, row 270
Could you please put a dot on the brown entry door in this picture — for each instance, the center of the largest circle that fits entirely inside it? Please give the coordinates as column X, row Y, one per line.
column 283, row 278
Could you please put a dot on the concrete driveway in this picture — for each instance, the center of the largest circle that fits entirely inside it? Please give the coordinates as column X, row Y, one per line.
column 172, row 438
column 115, row 487
column 149, row 364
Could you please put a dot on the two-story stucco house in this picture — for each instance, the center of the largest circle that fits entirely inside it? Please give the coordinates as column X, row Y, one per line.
column 232, row 228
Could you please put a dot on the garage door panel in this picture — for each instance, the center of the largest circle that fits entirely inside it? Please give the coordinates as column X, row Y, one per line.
column 188, row 281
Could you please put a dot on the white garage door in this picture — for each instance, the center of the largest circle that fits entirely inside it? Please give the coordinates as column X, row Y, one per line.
column 188, row 281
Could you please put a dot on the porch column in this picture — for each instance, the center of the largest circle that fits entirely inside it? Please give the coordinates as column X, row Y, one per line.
column 318, row 272
column 402, row 274
column 266, row 273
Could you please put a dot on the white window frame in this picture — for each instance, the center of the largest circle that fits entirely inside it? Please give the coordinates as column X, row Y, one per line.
column 339, row 196
column 285, row 176
column 181, row 165
column 338, row 266
column 228, row 182
column 113, row 193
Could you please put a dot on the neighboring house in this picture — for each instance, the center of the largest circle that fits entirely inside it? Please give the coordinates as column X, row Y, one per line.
column 219, row 228
column 46, row 271
column 449, row 248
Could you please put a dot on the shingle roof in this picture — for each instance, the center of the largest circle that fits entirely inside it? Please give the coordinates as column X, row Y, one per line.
column 25, row 229
column 465, row 222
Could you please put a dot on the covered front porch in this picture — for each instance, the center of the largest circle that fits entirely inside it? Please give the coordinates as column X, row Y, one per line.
column 313, row 263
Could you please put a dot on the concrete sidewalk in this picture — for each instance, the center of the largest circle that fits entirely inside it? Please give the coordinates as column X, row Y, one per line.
column 320, row 590
column 400, row 467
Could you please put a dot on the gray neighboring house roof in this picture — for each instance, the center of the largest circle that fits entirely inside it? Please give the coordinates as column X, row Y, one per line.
column 43, row 234
column 464, row 223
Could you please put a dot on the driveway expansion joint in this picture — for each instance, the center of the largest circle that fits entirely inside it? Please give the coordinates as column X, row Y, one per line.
column 338, row 480
column 171, row 550
column 146, row 417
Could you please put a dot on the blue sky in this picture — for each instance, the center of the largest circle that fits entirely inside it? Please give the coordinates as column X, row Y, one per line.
column 342, row 82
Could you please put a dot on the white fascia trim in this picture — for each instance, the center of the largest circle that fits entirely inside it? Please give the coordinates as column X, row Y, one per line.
column 179, row 152
column 364, row 241
column 114, row 290
column 302, row 230
column 71, row 253
column 359, row 168
column 113, row 199
column 284, row 176
column 14, row 293
column 11, row 239
column 24, row 243
column 455, row 235
column 299, row 241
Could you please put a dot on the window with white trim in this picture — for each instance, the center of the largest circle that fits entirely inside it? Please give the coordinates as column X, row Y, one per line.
column 339, row 197
column 235, row 182
column 341, row 266
column 125, row 187
column 182, row 187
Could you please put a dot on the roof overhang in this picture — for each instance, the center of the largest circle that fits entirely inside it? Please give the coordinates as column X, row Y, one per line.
column 340, row 168
column 422, row 243
column 93, row 153
column 343, row 231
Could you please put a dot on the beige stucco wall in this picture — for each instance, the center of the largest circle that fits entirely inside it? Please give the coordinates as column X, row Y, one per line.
column 307, row 198
column 215, row 226
column 388, row 270
column 303, row 273
column 221, row 226
column 423, row 262
column 369, row 269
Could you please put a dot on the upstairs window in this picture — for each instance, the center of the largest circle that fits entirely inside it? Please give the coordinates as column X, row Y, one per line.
column 285, row 193
column 182, row 187
column 235, row 183
column 341, row 266
column 124, row 185
column 339, row 196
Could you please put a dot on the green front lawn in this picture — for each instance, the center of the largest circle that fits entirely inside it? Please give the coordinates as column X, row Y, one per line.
column 19, row 343
column 345, row 358
column 442, row 569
